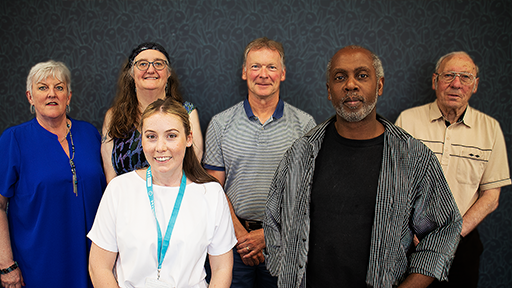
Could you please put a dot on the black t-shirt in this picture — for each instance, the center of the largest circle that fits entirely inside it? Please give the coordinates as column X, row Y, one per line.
column 342, row 205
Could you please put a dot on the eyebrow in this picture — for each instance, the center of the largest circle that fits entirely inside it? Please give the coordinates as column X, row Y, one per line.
column 357, row 69
column 463, row 72
column 363, row 68
column 166, row 131
column 262, row 64
column 44, row 83
column 146, row 59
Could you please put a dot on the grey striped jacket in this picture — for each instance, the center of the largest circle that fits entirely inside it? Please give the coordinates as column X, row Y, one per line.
column 413, row 197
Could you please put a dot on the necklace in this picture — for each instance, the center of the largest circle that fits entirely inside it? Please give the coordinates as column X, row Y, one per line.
column 71, row 163
column 67, row 132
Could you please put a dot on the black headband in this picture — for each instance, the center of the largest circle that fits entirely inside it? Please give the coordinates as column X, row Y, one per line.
column 147, row 46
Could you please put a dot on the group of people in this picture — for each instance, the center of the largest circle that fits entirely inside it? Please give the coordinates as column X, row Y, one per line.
column 62, row 226
column 359, row 202
column 275, row 201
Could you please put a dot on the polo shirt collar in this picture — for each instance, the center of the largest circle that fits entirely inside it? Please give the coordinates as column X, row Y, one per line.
column 435, row 115
column 278, row 113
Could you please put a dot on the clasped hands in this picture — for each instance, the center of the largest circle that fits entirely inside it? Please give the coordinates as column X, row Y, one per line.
column 250, row 246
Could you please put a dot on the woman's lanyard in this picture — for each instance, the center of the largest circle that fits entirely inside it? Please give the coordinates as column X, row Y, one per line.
column 163, row 245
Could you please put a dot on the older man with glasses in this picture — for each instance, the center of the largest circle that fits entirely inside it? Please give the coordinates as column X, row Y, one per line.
column 471, row 149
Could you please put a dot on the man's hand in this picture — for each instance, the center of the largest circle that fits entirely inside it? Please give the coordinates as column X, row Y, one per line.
column 416, row 280
column 250, row 247
column 415, row 240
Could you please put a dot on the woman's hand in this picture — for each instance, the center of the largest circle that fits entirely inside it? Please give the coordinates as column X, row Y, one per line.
column 13, row 279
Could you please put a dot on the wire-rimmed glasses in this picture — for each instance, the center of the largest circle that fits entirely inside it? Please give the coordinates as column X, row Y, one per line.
column 465, row 78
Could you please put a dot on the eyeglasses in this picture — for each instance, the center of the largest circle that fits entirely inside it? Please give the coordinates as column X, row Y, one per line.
column 464, row 77
column 143, row 65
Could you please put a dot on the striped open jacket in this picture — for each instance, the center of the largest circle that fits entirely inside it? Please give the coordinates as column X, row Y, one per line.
column 412, row 198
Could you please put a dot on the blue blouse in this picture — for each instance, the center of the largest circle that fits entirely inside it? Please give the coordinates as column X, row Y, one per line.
column 48, row 223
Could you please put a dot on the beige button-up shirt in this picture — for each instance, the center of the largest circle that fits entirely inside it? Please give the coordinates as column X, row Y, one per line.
column 472, row 152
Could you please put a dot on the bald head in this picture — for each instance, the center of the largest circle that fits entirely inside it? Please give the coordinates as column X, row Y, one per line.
column 450, row 55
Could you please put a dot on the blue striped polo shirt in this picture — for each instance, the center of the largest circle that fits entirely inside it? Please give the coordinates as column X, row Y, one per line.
column 249, row 151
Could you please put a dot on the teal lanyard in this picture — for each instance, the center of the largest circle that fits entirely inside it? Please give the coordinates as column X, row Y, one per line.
column 163, row 245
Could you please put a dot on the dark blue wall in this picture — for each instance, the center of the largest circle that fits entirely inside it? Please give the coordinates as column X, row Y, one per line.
column 206, row 40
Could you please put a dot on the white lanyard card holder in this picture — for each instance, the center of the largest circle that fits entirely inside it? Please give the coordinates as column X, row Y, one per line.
column 155, row 283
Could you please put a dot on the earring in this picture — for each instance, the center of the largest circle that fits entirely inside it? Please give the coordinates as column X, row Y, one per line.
column 32, row 109
column 68, row 109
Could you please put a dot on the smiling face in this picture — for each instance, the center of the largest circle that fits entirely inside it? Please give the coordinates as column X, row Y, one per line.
column 49, row 97
column 263, row 72
column 150, row 79
column 353, row 87
column 454, row 96
column 164, row 142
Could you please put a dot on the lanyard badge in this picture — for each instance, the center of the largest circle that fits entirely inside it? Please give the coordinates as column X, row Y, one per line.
column 163, row 244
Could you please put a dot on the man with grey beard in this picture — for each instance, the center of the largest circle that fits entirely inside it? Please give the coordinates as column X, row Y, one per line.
column 349, row 196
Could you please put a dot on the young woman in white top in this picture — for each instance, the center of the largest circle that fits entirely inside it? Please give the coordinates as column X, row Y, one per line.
column 156, row 225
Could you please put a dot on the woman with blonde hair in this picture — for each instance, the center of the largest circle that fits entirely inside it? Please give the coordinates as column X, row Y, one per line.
column 52, row 179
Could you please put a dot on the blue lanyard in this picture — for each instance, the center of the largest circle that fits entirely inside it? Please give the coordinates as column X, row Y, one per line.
column 163, row 245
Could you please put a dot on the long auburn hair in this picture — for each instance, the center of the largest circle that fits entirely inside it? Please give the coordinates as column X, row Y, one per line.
column 125, row 108
column 193, row 169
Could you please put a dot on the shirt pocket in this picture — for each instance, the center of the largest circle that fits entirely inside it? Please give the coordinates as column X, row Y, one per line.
column 471, row 162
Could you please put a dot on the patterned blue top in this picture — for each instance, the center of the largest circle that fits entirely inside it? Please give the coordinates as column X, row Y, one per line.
column 127, row 154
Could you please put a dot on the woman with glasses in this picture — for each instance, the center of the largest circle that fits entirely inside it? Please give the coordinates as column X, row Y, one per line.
column 146, row 77
column 51, row 185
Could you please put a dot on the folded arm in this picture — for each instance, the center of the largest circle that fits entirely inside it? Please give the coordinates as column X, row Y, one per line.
column 272, row 220
column 437, row 223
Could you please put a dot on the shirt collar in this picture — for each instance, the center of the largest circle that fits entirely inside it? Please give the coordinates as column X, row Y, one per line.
column 278, row 113
column 435, row 115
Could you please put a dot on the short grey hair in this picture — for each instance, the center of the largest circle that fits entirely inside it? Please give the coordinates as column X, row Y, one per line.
column 46, row 69
column 451, row 54
column 377, row 64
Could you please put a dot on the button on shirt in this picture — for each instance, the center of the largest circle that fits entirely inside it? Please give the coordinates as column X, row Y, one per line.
column 472, row 152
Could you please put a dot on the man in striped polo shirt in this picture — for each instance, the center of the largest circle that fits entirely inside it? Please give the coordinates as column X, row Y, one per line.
column 349, row 196
column 244, row 145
